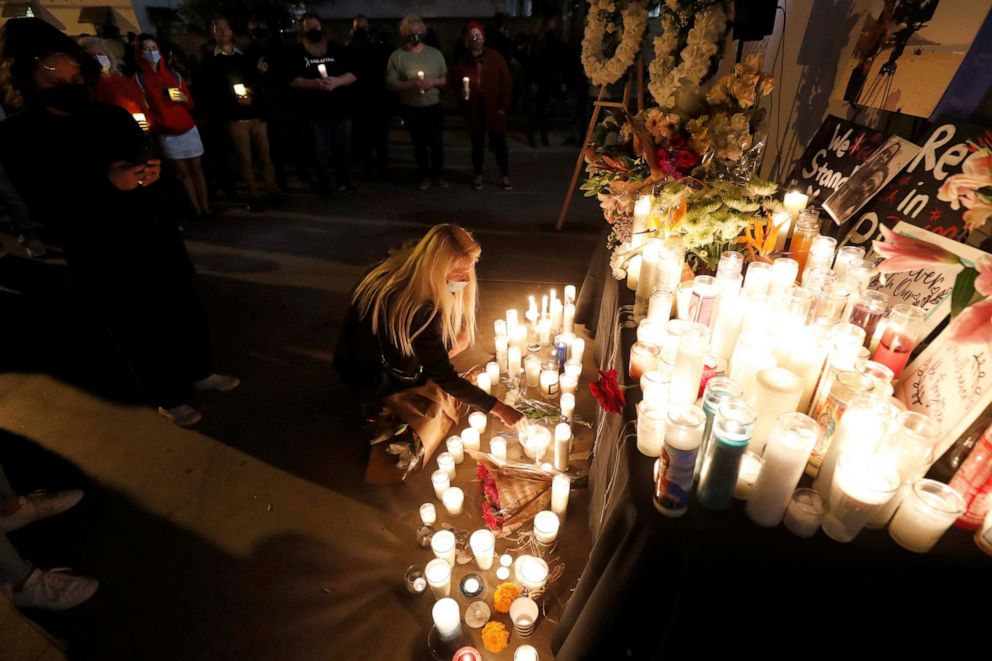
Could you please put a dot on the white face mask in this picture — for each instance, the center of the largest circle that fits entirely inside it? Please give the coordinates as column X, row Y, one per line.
column 104, row 61
column 456, row 286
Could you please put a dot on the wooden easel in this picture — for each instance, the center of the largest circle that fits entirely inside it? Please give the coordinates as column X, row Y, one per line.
column 598, row 105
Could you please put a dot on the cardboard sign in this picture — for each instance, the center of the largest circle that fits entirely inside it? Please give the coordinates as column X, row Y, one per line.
column 951, row 383
column 928, row 288
column 927, row 191
column 835, row 153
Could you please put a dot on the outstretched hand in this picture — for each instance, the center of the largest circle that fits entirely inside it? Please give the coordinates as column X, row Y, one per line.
column 510, row 416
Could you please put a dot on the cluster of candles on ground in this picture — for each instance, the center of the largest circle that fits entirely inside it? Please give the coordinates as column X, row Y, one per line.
column 793, row 364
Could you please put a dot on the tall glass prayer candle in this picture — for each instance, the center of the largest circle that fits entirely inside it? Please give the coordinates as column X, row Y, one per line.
column 783, row 276
column 563, row 445
column 842, row 390
column 868, row 309
column 471, row 439
column 578, row 350
column 652, row 331
column 642, row 210
column 731, row 433
column 660, row 303
column 727, row 325
column 778, row 391
column 845, row 257
column 633, row 272
column 807, row 227
column 568, row 322
column 440, row 481
column 859, row 271
column 438, row 575
column 560, row 486
column 757, row 277
column 642, row 358
column 683, row 435
column 497, row 447
column 568, row 383
column 484, row 383
column 569, row 294
column 499, row 326
column 925, row 514
column 753, row 354
column 549, row 380
column 861, row 428
column 821, row 252
column 794, row 310
column 567, row 405
column 859, row 490
column 443, row 546
column 782, row 221
column 689, row 363
column 557, row 309
column 816, row 278
column 845, row 348
column 880, row 375
column 656, row 384
column 483, row 545
column 502, row 352
column 544, row 331
column 731, row 264
column 648, row 276
column 512, row 319
column 651, row 417
column 669, row 269
column 785, row 456
column 546, row 526
column 446, row 462
column 804, row 354
column 718, row 390
column 794, row 203
column 902, row 331
column 532, row 367
column 908, row 448
column 428, row 514
column 514, row 366
column 705, row 290
column 683, row 299
column 518, row 338
column 831, row 304
column 447, row 615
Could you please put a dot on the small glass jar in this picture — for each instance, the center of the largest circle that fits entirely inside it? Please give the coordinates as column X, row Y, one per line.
column 925, row 515
column 845, row 257
column 651, row 418
column 414, row 579
column 821, row 252
column 902, row 332
column 643, row 358
column 549, row 379
column 868, row 310
column 807, row 228
column 660, row 303
column 859, row 490
column 805, row 512
column 784, row 273
column 731, row 264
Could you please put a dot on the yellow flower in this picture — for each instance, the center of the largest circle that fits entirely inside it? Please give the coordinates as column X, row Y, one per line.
column 495, row 637
column 504, row 596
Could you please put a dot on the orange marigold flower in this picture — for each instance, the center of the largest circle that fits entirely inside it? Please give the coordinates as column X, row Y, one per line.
column 495, row 637
column 504, row 596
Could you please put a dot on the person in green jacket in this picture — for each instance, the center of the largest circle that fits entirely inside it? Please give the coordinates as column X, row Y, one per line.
column 417, row 72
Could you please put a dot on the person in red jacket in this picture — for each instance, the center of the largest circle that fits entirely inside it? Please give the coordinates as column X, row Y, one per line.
column 171, row 108
column 486, row 101
column 114, row 87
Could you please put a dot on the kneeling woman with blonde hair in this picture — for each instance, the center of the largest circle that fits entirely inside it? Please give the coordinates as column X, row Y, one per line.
column 410, row 314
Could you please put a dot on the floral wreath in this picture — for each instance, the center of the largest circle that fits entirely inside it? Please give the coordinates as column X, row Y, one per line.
column 604, row 70
column 700, row 44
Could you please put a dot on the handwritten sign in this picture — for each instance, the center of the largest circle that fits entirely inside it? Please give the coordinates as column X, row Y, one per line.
column 835, row 153
column 928, row 288
column 951, row 383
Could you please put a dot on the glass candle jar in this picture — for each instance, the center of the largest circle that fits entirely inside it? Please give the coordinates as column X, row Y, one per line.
column 453, row 498
column 805, row 512
column 691, row 357
column 549, row 380
column 443, row 546
column 925, row 515
column 683, row 298
column 532, row 370
column 860, row 429
column 868, row 310
column 732, row 430
column 731, row 264
column 783, row 276
column 807, row 228
column 651, row 417
column 660, row 303
column 414, row 579
column 845, row 257
column 859, row 490
column 908, row 449
column 843, row 389
column 438, row 576
column 683, row 435
column 757, row 278
column 718, row 390
column 656, row 384
column 546, row 526
column 497, row 447
column 428, row 514
column 441, row 481
column 702, row 303
column 748, row 475
column 643, row 358
column 902, row 331
column 789, row 444
column 446, row 462
column 831, row 304
column 821, row 252
column 483, row 545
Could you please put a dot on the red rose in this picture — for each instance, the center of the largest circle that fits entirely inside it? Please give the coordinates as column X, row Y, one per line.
column 608, row 392
column 687, row 159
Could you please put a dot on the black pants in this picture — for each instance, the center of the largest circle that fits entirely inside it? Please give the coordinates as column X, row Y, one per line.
column 497, row 143
column 331, row 142
column 370, row 136
column 537, row 112
column 163, row 336
column 424, row 125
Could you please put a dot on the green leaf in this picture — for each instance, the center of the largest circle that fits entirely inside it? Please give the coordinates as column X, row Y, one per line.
column 964, row 290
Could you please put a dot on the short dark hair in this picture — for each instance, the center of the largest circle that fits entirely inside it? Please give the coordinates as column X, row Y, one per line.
column 309, row 15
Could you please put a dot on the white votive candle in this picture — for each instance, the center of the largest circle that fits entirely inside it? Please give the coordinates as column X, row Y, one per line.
column 925, row 515
column 536, row 440
column 777, row 391
column 783, row 462
column 456, row 448
column 804, row 513
column 578, row 350
column 532, row 369
column 441, row 481
column 560, row 486
column 505, row 560
column 533, row 573
column 447, row 618
column 438, row 575
column 526, row 653
column 483, row 543
column 859, row 490
column 563, row 445
column 453, row 499
column 497, row 447
column 651, row 418
column 446, row 462
column 660, row 303
column 428, row 514
column 492, row 369
column 568, row 383
column 471, row 439
column 503, row 573
column 556, row 314
column 477, row 421
column 484, row 383
column 567, row 404
column 546, row 526
column 784, row 272
column 443, row 546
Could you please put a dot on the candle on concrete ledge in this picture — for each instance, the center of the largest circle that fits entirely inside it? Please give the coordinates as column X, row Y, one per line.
column 453, row 498
column 456, row 448
column 783, row 462
column 438, row 575
column 563, row 445
column 441, row 481
column 477, row 420
column 447, row 618
column 560, row 486
column 446, row 462
column 483, row 544
column 925, row 515
column 471, row 439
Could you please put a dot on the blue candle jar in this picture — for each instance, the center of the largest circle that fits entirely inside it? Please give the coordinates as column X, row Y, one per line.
column 732, row 429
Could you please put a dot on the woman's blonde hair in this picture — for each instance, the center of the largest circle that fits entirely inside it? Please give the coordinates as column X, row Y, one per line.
column 415, row 275
column 409, row 22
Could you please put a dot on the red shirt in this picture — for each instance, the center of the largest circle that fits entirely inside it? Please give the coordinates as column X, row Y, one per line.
column 123, row 92
column 168, row 117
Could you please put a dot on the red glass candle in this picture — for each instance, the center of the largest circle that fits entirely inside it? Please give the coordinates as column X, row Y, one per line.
column 902, row 331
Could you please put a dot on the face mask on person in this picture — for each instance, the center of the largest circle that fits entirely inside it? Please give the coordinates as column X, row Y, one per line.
column 455, row 286
column 414, row 39
column 67, row 97
column 152, row 56
column 104, row 61
column 478, row 43
column 314, row 36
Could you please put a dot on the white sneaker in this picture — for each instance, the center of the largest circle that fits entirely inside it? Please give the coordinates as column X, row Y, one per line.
column 183, row 415
column 54, row 590
column 218, row 382
column 39, row 505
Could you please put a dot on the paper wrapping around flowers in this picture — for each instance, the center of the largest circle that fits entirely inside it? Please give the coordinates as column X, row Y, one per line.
column 430, row 412
column 522, row 494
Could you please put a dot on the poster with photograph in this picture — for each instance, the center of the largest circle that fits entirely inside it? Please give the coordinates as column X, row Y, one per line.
column 835, row 153
column 877, row 171
column 946, row 188
column 908, row 52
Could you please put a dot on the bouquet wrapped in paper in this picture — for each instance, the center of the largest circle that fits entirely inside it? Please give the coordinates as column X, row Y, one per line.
column 512, row 494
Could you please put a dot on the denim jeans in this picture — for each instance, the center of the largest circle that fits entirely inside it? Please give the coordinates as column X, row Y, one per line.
column 331, row 144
